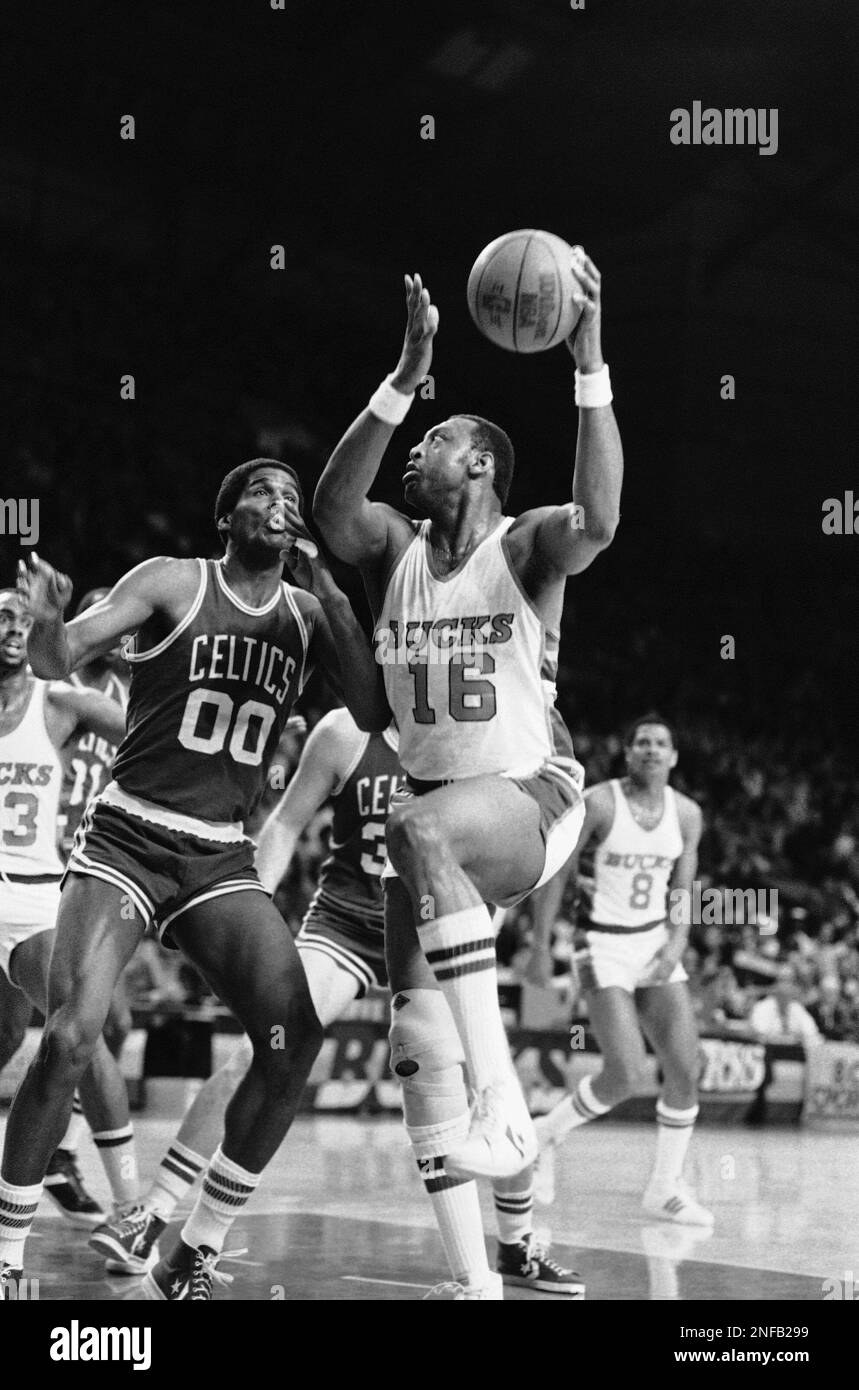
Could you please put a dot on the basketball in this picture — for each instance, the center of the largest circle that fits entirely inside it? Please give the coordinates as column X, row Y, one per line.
column 520, row 291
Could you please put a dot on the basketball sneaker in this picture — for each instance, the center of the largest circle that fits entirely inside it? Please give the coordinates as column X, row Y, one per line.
column 188, row 1273
column 500, row 1141
column 65, row 1187
column 452, row 1292
column 528, row 1264
column 129, row 1239
column 676, row 1203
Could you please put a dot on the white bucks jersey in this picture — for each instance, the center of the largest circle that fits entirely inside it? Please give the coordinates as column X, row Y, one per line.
column 30, row 777
column 633, row 867
column 469, row 667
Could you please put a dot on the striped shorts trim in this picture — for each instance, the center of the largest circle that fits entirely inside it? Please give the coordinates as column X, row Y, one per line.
column 309, row 940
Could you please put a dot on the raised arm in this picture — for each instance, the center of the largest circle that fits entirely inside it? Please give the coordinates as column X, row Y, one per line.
column 55, row 647
column 356, row 529
column 571, row 536
column 324, row 759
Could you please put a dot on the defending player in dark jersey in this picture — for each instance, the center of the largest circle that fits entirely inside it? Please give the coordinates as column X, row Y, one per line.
column 219, row 655
column 341, row 944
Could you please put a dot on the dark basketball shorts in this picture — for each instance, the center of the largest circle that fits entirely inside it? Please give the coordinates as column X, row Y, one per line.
column 164, row 869
column 348, row 936
column 556, row 787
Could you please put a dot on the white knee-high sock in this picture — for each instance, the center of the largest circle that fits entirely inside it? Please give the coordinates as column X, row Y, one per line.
column 225, row 1192
column 77, row 1124
column 574, row 1110
column 177, row 1172
column 17, row 1213
column 118, row 1155
column 460, row 949
column 673, row 1134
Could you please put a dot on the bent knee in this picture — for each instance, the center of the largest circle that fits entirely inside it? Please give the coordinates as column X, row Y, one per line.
column 411, row 832
column 69, row 1039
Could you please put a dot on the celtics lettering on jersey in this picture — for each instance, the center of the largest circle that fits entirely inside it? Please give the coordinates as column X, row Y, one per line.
column 469, row 667
column 207, row 706
column 352, row 871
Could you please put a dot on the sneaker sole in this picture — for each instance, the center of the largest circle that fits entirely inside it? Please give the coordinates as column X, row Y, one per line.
column 152, row 1291
column 135, row 1265
column 479, row 1169
column 108, row 1246
column 545, row 1285
column 657, row 1214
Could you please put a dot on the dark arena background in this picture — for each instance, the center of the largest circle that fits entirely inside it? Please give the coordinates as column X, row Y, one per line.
column 222, row 278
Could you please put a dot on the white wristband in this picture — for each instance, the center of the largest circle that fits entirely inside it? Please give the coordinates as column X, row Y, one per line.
column 388, row 404
column 593, row 388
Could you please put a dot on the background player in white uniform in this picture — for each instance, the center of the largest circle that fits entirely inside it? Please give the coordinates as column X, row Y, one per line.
column 646, row 846
column 468, row 606
column 36, row 720
column 341, row 944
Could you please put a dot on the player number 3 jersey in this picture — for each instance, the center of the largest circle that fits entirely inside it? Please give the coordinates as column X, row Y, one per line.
column 469, row 667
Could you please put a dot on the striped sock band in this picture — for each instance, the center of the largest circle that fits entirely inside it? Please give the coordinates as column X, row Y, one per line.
column 460, row 949
column 585, row 1104
column 577, row 1109
column 514, row 1214
column 117, row 1153
column 178, row 1170
column 18, row 1207
column 225, row 1191
column 456, row 1206
column 673, row 1135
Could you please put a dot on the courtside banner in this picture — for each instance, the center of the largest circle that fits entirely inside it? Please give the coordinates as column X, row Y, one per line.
column 739, row 1080
column 832, row 1085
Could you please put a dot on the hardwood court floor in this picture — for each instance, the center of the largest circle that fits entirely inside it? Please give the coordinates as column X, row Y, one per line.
column 340, row 1214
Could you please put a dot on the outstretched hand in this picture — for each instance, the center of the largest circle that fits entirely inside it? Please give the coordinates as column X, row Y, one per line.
column 585, row 340
column 421, row 328
column 44, row 591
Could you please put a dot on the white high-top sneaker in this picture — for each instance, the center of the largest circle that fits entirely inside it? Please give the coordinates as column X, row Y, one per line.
column 501, row 1140
column 676, row 1203
column 492, row 1290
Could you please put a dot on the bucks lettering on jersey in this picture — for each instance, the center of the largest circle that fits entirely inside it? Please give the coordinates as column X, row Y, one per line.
column 469, row 666
column 87, row 761
column 30, row 776
column 208, row 704
column 352, row 871
column 633, row 866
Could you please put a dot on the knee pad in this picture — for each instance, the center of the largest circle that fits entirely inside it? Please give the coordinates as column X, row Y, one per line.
column 427, row 1057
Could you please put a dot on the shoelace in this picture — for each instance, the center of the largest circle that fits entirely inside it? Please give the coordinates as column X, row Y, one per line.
column 541, row 1253
column 133, row 1221
column 205, row 1273
column 447, row 1286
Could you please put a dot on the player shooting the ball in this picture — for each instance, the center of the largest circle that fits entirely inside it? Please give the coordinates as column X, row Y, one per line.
column 468, row 607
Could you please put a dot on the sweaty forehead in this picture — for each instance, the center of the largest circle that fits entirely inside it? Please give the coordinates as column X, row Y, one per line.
column 10, row 601
column 454, row 424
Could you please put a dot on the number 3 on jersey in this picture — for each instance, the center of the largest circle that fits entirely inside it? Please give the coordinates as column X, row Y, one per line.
column 207, row 719
column 373, row 852
column 469, row 700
